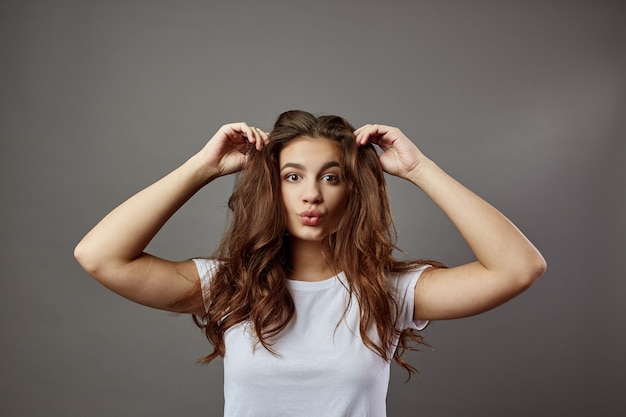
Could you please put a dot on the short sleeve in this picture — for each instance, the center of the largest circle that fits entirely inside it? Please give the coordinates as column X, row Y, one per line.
column 405, row 298
column 206, row 270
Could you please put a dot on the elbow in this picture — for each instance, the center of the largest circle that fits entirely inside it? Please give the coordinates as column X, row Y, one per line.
column 82, row 257
column 535, row 268
column 86, row 259
column 526, row 271
column 97, row 267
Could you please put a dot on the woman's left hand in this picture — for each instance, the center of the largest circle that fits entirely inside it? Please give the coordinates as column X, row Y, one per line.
column 506, row 262
column 399, row 155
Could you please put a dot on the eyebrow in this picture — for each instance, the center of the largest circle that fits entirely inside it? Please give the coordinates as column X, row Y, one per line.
column 327, row 165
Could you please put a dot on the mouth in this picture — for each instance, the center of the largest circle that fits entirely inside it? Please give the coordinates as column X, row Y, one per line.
column 310, row 217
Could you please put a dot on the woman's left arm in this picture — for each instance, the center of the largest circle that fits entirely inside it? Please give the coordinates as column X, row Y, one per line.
column 507, row 262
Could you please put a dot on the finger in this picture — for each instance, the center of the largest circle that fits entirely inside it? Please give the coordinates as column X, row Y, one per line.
column 359, row 130
column 360, row 134
column 362, row 129
column 261, row 138
column 258, row 138
column 370, row 133
column 249, row 133
column 236, row 132
column 265, row 137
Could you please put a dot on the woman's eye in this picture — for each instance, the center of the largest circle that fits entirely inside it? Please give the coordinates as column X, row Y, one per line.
column 331, row 178
column 292, row 177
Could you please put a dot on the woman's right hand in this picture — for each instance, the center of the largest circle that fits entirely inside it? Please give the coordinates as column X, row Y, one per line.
column 113, row 251
column 228, row 150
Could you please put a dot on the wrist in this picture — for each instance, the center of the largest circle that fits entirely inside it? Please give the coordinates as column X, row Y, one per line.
column 421, row 171
column 203, row 171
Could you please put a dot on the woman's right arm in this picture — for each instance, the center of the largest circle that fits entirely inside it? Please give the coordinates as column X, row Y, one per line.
column 113, row 251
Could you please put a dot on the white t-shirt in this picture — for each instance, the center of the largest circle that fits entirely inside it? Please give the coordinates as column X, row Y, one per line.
column 323, row 368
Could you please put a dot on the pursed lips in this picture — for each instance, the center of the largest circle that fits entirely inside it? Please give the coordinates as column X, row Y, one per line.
column 311, row 217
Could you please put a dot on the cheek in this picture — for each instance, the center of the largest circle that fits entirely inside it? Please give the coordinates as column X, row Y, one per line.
column 340, row 198
column 286, row 197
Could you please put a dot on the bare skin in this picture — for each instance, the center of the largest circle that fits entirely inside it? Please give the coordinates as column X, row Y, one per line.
column 506, row 262
column 314, row 196
column 113, row 251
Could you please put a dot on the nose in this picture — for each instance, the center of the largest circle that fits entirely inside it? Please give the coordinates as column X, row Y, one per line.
column 311, row 193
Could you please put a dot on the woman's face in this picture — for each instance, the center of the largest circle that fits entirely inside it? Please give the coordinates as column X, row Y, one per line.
column 312, row 187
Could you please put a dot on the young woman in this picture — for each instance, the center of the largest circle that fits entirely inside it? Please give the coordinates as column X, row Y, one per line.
column 303, row 299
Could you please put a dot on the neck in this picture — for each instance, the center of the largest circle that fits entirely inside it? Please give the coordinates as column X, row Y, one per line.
column 308, row 262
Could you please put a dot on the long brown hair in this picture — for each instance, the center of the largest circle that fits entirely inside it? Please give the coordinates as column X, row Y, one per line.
column 250, row 283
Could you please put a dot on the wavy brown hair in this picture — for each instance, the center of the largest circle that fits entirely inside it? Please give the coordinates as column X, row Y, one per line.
column 250, row 283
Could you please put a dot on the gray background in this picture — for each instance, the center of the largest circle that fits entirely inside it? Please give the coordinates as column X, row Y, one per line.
column 523, row 101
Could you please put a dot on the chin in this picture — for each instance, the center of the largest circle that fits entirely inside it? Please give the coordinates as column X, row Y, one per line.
column 309, row 237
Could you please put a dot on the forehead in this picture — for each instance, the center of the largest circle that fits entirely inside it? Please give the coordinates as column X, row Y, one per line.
column 305, row 149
